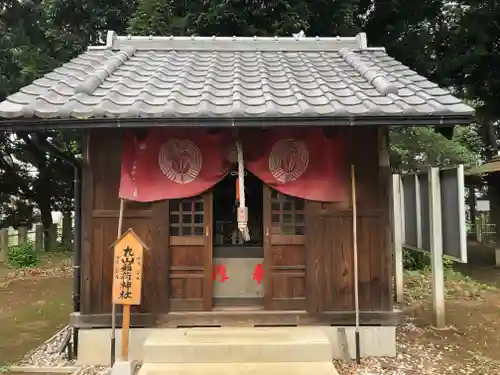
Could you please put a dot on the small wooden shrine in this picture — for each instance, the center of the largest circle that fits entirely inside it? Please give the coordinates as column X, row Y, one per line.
column 162, row 118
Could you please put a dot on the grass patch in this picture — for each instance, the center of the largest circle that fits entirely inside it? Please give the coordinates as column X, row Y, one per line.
column 48, row 260
column 34, row 311
column 457, row 285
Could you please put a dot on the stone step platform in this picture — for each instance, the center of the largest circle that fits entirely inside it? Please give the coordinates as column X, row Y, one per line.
column 238, row 345
column 240, row 368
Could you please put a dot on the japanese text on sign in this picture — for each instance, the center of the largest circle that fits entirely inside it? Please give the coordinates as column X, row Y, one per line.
column 127, row 272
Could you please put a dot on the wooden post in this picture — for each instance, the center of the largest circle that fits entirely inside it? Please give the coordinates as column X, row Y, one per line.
column 113, row 306
column 398, row 238
column 53, row 236
column 125, row 331
column 67, row 224
column 479, row 223
column 472, row 203
column 436, row 239
column 355, row 261
column 4, row 244
column 39, row 237
column 128, row 257
column 22, row 235
column 418, row 212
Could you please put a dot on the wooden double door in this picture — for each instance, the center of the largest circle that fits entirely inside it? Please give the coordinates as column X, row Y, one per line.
column 191, row 252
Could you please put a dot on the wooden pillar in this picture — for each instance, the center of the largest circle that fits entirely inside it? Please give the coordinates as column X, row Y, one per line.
column 436, row 239
column 67, row 225
column 53, row 236
column 397, row 222
column 22, row 235
column 472, row 203
column 39, row 237
column 4, row 244
column 386, row 220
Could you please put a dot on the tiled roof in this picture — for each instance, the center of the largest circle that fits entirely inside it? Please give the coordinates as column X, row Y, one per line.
column 167, row 77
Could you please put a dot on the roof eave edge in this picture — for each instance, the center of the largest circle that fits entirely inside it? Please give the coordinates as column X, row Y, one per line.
column 396, row 121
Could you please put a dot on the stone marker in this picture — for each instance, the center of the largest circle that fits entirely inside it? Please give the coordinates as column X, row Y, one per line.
column 123, row 368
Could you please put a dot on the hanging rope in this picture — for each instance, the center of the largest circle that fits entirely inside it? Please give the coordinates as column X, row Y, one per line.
column 242, row 209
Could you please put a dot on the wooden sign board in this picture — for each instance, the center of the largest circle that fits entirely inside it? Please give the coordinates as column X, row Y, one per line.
column 128, row 258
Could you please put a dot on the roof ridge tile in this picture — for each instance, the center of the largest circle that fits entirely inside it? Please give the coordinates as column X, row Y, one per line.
column 92, row 82
column 371, row 73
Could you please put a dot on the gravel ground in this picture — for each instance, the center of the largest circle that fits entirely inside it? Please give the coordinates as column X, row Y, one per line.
column 46, row 355
column 411, row 358
column 93, row 370
column 25, row 273
column 420, row 358
column 100, row 370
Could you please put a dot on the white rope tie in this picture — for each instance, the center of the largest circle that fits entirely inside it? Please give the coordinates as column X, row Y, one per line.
column 243, row 223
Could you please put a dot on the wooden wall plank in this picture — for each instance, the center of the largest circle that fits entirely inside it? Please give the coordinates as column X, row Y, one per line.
column 101, row 179
column 386, row 238
column 208, row 284
column 160, row 258
column 87, row 207
column 329, row 242
column 266, row 217
column 316, row 283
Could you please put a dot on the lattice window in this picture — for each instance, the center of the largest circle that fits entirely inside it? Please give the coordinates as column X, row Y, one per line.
column 186, row 217
column 287, row 214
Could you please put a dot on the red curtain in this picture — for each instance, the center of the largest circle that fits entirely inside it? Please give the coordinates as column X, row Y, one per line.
column 172, row 163
column 304, row 163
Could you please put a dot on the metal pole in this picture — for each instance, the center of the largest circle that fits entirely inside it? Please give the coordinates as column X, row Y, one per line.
column 113, row 309
column 355, row 260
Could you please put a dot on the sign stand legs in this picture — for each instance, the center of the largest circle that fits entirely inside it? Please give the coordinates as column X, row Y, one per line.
column 125, row 332
column 436, row 239
column 128, row 257
column 355, row 261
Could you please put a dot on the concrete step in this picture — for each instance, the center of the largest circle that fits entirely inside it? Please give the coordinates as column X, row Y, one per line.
column 238, row 344
column 241, row 368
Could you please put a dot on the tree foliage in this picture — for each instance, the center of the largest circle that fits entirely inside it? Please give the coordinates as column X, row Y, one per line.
column 416, row 148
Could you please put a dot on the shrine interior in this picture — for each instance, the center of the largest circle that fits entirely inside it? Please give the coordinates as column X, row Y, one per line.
column 224, row 210
column 234, row 260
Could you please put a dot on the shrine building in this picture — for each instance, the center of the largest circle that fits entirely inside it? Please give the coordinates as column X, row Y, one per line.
column 233, row 158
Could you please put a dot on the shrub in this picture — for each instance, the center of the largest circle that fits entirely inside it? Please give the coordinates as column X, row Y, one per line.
column 24, row 255
column 415, row 260
column 418, row 261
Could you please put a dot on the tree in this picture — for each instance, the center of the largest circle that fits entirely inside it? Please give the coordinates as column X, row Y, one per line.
column 471, row 51
column 416, row 148
column 74, row 25
column 33, row 182
column 220, row 17
column 152, row 18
